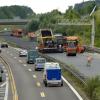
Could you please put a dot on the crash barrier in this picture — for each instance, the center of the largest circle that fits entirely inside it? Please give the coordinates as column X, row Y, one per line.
column 92, row 49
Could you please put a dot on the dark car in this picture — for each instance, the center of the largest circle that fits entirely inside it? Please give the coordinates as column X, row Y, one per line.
column 4, row 45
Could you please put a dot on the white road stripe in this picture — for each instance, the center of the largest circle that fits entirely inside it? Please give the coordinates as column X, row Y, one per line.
column 25, row 65
column 15, row 57
column 6, row 93
column 30, row 70
column 38, row 84
column 71, row 87
column 20, row 61
column 34, row 76
column 42, row 94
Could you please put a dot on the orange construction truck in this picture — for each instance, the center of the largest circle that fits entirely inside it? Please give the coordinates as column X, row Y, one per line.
column 72, row 46
column 17, row 33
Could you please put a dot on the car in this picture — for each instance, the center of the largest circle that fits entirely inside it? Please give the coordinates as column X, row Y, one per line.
column 39, row 63
column 31, row 56
column 4, row 45
column 22, row 53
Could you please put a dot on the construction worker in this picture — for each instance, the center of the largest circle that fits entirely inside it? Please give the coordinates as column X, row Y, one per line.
column 89, row 60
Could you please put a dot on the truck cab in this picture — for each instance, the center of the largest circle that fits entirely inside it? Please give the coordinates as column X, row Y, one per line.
column 71, row 48
column 52, row 74
column 39, row 63
column 31, row 56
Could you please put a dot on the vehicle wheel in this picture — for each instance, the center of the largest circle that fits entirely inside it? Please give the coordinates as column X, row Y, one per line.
column 35, row 69
column 62, row 83
column 0, row 78
column 27, row 62
column 75, row 54
column 45, row 83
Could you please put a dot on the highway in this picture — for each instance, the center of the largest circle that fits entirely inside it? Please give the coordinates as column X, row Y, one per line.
column 29, row 83
column 77, row 62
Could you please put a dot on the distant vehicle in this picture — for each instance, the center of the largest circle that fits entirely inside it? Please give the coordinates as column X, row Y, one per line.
column 52, row 74
column 4, row 45
column 22, row 53
column 75, row 41
column 39, row 63
column 31, row 56
column 17, row 33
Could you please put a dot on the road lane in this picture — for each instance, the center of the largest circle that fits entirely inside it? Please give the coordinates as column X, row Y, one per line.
column 27, row 85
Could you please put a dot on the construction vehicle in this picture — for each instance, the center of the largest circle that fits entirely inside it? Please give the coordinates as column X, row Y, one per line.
column 31, row 56
column 17, row 33
column 52, row 74
column 72, row 45
column 46, row 42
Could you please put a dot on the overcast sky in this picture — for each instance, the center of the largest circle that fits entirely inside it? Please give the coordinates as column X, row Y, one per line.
column 42, row 6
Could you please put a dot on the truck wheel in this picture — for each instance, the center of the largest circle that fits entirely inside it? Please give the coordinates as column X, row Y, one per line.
column 75, row 54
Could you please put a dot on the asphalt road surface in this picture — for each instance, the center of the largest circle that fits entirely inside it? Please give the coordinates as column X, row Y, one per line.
column 29, row 83
column 78, row 62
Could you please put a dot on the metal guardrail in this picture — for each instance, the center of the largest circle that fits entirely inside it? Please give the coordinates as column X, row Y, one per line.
column 92, row 49
column 74, row 72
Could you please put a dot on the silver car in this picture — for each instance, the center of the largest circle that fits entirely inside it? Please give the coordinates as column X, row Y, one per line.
column 23, row 53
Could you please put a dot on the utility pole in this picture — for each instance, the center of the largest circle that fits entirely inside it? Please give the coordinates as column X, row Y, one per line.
column 93, row 28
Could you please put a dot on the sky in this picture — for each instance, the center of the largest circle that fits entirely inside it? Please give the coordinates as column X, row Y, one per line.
column 42, row 6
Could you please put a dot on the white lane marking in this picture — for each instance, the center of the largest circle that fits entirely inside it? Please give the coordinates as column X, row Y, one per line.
column 6, row 92
column 29, row 70
column 42, row 94
column 71, row 87
column 3, row 84
column 38, row 84
column 25, row 65
column 34, row 76
column 20, row 61
column 15, row 57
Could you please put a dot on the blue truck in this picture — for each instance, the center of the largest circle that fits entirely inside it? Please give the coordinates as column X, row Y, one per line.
column 39, row 63
column 52, row 74
column 31, row 56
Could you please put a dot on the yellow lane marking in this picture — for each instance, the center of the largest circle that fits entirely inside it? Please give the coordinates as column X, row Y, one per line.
column 38, row 84
column 42, row 94
column 34, row 76
column 11, row 78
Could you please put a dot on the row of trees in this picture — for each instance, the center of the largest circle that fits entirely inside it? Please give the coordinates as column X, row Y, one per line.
column 8, row 12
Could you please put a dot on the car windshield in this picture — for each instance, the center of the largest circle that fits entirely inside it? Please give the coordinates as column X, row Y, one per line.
column 40, row 61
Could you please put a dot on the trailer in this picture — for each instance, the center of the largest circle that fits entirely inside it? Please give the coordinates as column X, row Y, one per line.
column 52, row 74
